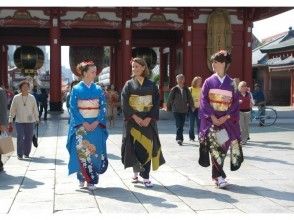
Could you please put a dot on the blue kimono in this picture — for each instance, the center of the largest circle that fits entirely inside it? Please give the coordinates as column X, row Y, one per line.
column 87, row 150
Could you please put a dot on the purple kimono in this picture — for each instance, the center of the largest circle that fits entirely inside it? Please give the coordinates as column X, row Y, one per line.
column 219, row 99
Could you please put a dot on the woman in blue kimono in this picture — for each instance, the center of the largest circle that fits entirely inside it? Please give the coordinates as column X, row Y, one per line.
column 219, row 114
column 87, row 132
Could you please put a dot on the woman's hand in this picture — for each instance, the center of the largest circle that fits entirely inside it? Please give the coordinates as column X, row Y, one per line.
column 137, row 119
column 215, row 121
column 87, row 126
column 94, row 125
column 146, row 122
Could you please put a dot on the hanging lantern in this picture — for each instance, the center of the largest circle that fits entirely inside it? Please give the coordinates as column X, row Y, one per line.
column 148, row 54
column 29, row 59
column 77, row 54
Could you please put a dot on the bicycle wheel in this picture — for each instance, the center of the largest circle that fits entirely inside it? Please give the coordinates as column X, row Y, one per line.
column 269, row 118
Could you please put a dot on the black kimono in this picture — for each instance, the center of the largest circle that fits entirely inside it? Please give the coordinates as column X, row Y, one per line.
column 141, row 145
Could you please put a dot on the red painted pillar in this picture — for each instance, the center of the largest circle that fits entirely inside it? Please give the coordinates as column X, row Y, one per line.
column 113, row 75
column 247, row 51
column 55, row 66
column 126, row 45
column 4, row 66
column 292, row 89
column 172, row 67
column 187, row 46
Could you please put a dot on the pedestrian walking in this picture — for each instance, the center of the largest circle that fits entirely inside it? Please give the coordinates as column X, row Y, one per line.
column 219, row 114
column 3, row 118
column 43, row 99
column 24, row 109
column 179, row 102
column 140, row 105
column 246, row 103
column 112, row 103
column 87, row 134
column 195, row 90
column 259, row 100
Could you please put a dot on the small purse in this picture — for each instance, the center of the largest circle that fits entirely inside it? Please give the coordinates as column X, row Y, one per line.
column 35, row 137
column 6, row 143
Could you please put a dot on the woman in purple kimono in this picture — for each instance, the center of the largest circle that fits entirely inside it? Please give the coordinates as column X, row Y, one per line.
column 219, row 114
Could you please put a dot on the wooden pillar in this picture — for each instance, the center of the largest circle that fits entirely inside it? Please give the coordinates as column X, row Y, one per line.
column 113, row 70
column 55, row 65
column 4, row 66
column 247, row 48
column 172, row 67
column 126, row 45
column 292, row 89
column 187, row 46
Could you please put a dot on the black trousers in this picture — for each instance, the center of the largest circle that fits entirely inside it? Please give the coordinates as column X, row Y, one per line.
column 1, row 164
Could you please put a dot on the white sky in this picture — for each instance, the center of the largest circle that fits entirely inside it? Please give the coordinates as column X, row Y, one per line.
column 274, row 25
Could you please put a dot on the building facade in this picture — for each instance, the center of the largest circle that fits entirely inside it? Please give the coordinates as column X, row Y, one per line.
column 186, row 37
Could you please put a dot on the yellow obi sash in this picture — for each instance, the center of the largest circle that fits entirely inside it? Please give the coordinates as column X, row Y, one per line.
column 141, row 103
column 220, row 99
column 89, row 108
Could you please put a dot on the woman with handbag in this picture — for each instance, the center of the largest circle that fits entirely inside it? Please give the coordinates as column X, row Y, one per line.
column 24, row 108
column 219, row 114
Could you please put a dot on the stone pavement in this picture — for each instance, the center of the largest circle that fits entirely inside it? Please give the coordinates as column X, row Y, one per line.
column 264, row 183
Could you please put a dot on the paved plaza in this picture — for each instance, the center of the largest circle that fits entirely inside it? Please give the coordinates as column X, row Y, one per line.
column 264, row 183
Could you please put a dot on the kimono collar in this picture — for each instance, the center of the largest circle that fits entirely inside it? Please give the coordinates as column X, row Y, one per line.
column 88, row 85
column 221, row 79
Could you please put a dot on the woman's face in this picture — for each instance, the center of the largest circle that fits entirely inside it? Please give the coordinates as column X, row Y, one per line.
column 243, row 88
column 137, row 69
column 218, row 67
column 25, row 88
column 91, row 73
column 198, row 82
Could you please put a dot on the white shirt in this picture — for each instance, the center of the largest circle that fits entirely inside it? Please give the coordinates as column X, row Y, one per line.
column 24, row 108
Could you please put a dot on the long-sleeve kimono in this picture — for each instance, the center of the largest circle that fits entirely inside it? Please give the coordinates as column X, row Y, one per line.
column 219, row 99
column 140, row 145
column 87, row 149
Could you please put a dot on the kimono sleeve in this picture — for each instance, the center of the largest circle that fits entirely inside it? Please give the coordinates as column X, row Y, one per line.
column 102, row 113
column 205, row 106
column 76, row 115
column 154, row 112
column 126, row 108
column 233, row 111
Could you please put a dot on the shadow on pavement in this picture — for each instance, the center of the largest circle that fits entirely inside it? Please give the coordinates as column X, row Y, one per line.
column 124, row 195
column 8, row 182
column 264, row 159
column 270, row 144
column 47, row 160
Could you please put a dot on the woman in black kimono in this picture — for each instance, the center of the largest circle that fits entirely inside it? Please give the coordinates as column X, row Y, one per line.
column 140, row 105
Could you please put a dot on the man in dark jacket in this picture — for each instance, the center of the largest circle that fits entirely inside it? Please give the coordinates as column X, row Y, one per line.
column 43, row 99
column 3, row 117
column 179, row 101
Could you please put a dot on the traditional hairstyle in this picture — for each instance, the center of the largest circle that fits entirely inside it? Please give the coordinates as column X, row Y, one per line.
column 195, row 80
column 83, row 67
column 222, row 56
column 22, row 83
column 141, row 62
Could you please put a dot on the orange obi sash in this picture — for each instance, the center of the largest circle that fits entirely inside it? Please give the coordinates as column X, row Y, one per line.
column 220, row 99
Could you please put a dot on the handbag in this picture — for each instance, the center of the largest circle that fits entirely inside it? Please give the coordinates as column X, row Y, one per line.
column 35, row 137
column 6, row 143
column 204, row 159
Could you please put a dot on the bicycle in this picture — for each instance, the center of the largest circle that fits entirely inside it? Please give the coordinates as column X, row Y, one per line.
column 268, row 118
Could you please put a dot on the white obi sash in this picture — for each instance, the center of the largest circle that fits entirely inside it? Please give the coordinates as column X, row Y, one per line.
column 89, row 108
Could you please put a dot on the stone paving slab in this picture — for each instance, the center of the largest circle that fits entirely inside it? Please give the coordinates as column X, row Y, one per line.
column 264, row 184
